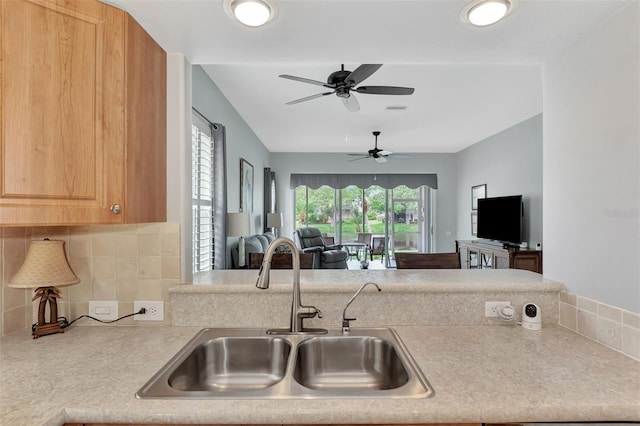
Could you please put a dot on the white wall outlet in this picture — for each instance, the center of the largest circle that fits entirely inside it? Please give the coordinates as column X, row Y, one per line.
column 105, row 310
column 154, row 310
column 491, row 308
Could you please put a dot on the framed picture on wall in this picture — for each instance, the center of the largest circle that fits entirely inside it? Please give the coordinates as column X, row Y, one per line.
column 478, row 191
column 474, row 224
column 246, row 186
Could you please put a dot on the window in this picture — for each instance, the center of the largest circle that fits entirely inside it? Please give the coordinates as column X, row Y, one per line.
column 202, row 165
column 401, row 215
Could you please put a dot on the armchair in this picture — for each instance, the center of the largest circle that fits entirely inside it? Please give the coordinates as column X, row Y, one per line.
column 327, row 257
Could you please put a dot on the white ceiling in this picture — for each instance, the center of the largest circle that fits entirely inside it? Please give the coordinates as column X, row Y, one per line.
column 470, row 82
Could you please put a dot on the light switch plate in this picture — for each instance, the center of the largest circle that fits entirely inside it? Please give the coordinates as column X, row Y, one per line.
column 105, row 310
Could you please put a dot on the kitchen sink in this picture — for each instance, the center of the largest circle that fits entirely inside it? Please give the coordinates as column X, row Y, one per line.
column 232, row 363
column 249, row 364
column 349, row 363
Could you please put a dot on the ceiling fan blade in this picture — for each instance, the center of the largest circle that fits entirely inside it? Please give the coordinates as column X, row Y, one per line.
column 359, row 155
column 385, row 90
column 380, row 159
column 398, row 156
column 384, row 153
column 351, row 103
column 361, row 158
column 307, row 80
column 308, row 98
column 361, row 73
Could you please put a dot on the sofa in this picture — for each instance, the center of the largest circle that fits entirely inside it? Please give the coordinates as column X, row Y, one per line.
column 256, row 245
column 252, row 244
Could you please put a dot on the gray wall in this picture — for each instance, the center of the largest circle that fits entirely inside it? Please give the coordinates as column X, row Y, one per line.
column 443, row 164
column 241, row 143
column 509, row 163
column 592, row 163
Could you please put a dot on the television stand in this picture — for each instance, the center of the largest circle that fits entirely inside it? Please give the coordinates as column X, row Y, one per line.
column 475, row 254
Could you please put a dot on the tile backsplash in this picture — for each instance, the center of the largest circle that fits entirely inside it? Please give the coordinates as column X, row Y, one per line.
column 114, row 262
column 616, row 328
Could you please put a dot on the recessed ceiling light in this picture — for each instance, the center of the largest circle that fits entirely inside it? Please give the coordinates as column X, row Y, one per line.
column 396, row 108
column 253, row 13
column 486, row 12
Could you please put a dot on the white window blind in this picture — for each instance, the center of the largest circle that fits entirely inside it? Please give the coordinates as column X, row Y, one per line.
column 202, row 163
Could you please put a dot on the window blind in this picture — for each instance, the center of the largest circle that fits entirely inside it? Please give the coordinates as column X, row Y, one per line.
column 202, row 194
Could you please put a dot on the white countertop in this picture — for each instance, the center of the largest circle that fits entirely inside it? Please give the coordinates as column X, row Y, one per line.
column 479, row 373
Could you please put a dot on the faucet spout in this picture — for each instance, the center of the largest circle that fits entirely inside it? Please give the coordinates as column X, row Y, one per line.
column 346, row 329
column 298, row 311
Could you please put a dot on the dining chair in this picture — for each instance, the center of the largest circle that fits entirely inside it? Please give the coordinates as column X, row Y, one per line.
column 378, row 247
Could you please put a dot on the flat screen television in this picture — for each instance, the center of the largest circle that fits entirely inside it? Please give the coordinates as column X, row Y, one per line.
column 500, row 219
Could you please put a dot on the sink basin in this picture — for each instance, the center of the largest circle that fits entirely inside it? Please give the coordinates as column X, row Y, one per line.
column 232, row 363
column 249, row 364
column 349, row 362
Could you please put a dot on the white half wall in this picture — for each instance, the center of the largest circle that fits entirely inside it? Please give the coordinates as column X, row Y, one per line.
column 591, row 163
column 179, row 154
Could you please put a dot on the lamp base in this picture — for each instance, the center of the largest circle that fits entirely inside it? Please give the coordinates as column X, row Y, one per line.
column 48, row 328
column 47, row 296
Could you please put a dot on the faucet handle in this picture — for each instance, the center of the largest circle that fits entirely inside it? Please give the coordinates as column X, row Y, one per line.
column 346, row 328
column 316, row 312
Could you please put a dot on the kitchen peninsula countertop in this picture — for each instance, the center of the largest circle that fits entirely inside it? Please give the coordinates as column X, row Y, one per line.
column 479, row 373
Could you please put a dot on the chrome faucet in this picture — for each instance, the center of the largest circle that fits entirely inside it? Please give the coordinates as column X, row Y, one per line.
column 298, row 311
column 346, row 329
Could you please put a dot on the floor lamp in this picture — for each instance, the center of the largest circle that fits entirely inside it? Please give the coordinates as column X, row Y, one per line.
column 239, row 225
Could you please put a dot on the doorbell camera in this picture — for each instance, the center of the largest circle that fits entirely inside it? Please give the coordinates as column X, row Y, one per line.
column 531, row 317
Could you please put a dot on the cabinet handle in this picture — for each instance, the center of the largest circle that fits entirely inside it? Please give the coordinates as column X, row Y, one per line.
column 116, row 208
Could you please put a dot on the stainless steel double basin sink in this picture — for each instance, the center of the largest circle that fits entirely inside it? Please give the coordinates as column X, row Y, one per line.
column 249, row 364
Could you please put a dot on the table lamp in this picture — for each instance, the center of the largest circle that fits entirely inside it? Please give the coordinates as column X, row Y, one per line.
column 45, row 269
column 274, row 221
column 239, row 225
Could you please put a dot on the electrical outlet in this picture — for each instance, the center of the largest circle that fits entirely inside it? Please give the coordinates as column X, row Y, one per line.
column 105, row 310
column 154, row 310
column 491, row 308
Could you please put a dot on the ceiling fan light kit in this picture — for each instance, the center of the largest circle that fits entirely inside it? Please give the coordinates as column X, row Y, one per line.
column 252, row 13
column 482, row 13
column 343, row 82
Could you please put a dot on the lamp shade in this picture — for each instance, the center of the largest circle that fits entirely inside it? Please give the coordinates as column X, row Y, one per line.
column 45, row 266
column 238, row 224
column 274, row 220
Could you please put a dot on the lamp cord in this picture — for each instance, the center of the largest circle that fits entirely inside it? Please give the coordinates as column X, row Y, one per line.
column 64, row 323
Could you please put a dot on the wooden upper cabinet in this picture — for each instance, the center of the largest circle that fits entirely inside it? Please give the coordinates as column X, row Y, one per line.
column 82, row 115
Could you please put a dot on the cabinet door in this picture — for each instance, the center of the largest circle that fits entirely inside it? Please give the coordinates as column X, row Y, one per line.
column 463, row 252
column 486, row 259
column 531, row 261
column 146, row 129
column 474, row 259
column 501, row 260
column 61, row 115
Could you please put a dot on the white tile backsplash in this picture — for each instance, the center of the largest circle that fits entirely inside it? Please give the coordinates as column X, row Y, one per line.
column 616, row 328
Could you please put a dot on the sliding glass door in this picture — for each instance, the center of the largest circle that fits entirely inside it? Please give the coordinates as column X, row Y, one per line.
column 409, row 227
column 399, row 216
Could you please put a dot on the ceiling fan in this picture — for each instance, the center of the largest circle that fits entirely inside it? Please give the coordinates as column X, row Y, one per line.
column 342, row 83
column 380, row 155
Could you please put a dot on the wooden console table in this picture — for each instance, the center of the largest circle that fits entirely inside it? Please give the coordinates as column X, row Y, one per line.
column 480, row 255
